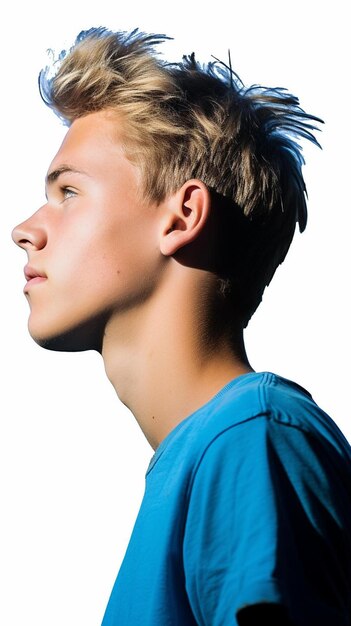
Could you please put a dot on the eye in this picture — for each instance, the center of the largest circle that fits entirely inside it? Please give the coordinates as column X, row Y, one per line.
column 67, row 192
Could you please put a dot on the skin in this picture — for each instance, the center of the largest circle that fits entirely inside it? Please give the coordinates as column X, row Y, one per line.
column 128, row 278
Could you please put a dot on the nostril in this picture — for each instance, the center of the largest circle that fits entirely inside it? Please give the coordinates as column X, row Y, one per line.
column 28, row 235
column 19, row 238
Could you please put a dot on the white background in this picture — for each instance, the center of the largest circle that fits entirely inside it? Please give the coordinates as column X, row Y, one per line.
column 72, row 460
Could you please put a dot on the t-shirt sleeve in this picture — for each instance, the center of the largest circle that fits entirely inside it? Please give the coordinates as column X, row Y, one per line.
column 264, row 526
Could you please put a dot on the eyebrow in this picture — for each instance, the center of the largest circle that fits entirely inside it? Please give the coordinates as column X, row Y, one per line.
column 51, row 177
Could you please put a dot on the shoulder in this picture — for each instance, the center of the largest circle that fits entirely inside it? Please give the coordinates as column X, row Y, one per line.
column 281, row 402
column 254, row 412
column 269, row 492
column 265, row 412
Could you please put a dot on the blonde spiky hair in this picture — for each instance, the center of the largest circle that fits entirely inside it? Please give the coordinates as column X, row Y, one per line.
column 185, row 120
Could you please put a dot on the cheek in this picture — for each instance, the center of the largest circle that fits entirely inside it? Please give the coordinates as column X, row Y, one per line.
column 103, row 255
column 83, row 246
column 103, row 269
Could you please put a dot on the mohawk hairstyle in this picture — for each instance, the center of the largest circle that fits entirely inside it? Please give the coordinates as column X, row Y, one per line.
column 187, row 120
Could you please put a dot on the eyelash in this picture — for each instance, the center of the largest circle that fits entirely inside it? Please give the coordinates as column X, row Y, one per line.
column 67, row 192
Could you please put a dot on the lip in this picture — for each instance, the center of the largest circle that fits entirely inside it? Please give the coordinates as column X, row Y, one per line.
column 33, row 277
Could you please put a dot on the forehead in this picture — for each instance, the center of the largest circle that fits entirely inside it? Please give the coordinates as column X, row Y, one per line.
column 93, row 142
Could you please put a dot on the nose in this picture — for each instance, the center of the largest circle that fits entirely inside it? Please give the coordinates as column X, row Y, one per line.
column 29, row 235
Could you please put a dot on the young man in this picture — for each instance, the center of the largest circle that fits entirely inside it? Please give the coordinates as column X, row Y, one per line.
column 170, row 203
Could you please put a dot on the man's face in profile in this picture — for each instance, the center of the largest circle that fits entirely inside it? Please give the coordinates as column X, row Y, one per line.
column 93, row 247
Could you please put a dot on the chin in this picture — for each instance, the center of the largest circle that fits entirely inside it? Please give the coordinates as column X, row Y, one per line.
column 87, row 335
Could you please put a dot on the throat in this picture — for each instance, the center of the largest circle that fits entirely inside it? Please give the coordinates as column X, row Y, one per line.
column 163, row 384
column 162, row 358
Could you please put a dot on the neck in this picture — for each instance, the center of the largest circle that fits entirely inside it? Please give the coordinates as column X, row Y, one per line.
column 159, row 358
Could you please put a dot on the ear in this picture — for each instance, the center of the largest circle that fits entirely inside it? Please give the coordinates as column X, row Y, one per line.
column 187, row 212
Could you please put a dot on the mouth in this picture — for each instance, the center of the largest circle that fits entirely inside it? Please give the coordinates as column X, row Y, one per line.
column 32, row 277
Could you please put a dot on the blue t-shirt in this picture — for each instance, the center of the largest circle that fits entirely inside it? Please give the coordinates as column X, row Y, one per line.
column 248, row 500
